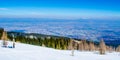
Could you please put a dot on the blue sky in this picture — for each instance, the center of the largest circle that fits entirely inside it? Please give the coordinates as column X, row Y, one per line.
column 60, row 8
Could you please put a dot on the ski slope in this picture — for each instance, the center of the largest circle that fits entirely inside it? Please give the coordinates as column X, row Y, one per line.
column 31, row 52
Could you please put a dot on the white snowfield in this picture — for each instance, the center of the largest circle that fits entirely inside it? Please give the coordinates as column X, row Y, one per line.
column 31, row 52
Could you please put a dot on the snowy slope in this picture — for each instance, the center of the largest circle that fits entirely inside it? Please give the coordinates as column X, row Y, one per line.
column 31, row 52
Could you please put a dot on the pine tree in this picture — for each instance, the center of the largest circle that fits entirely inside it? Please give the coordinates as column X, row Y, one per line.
column 4, row 38
column 102, row 47
column 71, row 47
column 1, row 32
column 118, row 49
column 85, row 44
column 75, row 45
column 59, row 45
column 91, row 46
column 81, row 47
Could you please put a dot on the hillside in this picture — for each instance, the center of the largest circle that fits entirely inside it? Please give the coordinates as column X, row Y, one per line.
column 31, row 52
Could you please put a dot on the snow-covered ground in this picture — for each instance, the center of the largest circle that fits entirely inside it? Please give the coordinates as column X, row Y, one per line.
column 31, row 52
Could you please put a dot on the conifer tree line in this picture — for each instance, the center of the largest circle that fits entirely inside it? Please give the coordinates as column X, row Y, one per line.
column 57, row 43
column 62, row 43
column 84, row 45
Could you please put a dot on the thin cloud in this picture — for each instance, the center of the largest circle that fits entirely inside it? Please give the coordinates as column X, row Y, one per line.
column 3, row 8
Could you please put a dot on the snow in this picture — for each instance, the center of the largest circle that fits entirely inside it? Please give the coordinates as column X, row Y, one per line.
column 31, row 52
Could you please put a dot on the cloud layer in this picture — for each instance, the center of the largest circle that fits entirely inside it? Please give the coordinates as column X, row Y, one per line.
column 3, row 9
